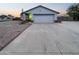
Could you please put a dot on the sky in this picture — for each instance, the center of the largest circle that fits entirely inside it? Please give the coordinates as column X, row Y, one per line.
column 16, row 8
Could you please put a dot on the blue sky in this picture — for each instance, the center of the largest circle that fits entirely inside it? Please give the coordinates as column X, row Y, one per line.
column 15, row 8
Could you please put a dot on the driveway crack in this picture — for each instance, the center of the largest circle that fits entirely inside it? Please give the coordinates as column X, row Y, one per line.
column 58, row 47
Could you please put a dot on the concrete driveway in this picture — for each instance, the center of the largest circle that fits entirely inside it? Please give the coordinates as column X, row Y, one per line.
column 61, row 38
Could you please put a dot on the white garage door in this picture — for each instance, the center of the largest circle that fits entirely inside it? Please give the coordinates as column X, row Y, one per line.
column 43, row 18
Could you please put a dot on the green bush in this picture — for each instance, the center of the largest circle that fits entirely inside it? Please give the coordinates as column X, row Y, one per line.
column 24, row 22
column 30, row 17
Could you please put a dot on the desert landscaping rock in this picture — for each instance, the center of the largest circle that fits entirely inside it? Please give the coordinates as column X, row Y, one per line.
column 10, row 30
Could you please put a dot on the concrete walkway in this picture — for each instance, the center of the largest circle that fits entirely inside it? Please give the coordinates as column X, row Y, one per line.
column 45, row 39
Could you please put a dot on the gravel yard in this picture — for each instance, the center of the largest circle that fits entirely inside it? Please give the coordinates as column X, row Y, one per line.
column 9, row 30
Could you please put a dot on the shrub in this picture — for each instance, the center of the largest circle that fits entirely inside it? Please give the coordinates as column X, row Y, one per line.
column 29, row 17
column 57, row 21
column 17, row 18
column 24, row 22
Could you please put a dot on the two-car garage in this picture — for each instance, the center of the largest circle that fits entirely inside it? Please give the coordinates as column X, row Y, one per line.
column 43, row 18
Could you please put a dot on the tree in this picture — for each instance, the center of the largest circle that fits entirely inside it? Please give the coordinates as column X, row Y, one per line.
column 73, row 11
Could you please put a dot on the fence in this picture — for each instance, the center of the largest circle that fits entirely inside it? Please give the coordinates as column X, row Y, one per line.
column 65, row 18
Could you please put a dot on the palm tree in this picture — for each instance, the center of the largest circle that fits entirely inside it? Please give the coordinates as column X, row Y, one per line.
column 73, row 11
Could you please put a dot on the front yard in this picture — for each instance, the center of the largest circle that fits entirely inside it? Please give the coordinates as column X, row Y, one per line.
column 57, row 38
column 10, row 30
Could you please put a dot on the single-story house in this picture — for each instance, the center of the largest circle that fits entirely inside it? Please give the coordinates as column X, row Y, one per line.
column 6, row 18
column 41, row 14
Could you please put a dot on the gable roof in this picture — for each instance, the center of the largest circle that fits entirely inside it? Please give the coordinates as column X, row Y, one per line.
column 43, row 7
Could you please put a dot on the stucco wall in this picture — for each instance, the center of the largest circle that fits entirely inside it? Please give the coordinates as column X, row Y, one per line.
column 41, row 10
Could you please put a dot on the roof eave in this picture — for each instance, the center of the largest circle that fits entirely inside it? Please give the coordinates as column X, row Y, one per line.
column 41, row 6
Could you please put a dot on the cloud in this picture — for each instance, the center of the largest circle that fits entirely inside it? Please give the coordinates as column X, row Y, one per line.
column 15, row 9
column 62, row 12
column 13, row 12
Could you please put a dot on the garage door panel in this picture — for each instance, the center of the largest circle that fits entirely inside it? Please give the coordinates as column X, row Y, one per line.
column 43, row 18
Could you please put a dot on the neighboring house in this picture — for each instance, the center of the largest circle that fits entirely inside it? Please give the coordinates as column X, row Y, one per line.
column 41, row 14
column 10, row 17
column 5, row 18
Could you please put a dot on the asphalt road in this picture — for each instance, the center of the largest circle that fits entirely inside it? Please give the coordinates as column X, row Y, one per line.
column 61, row 38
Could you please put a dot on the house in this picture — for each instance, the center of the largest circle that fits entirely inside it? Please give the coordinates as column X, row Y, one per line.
column 6, row 18
column 41, row 14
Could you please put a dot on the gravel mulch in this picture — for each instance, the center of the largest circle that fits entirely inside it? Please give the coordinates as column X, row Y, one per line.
column 9, row 30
